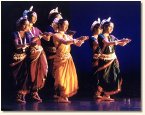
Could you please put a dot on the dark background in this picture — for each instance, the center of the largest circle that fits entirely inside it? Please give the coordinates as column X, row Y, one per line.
column 126, row 17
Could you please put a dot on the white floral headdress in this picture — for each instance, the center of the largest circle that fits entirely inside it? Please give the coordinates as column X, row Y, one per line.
column 105, row 20
column 95, row 22
column 24, row 15
column 54, row 10
column 26, row 11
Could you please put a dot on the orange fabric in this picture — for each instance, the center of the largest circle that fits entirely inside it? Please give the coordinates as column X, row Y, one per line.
column 65, row 72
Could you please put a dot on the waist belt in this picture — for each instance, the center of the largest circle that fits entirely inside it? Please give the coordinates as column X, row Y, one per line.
column 21, row 50
column 105, row 56
column 19, row 57
column 63, row 56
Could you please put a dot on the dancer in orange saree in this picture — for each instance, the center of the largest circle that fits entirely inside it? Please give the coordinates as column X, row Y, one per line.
column 64, row 69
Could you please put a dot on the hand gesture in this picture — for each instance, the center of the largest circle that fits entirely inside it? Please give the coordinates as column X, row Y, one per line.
column 83, row 38
column 126, row 40
column 47, row 35
column 79, row 43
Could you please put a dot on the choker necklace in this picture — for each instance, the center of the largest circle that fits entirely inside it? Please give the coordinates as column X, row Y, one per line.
column 20, row 38
column 33, row 32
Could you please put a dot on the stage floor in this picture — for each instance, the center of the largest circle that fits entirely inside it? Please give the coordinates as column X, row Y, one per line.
column 121, row 104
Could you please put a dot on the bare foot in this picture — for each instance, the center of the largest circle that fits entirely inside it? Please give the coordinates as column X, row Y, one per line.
column 63, row 100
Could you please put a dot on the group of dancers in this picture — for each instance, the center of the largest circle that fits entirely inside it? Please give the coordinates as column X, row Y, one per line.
column 38, row 55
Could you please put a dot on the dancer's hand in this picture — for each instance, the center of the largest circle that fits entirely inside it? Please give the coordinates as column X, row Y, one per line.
column 79, row 43
column 83, row 38
column 47, row 35
column 126, row 40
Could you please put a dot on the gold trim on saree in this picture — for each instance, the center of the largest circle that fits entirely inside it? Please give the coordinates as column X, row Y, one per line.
column 35, row 52
column 105, row 56
column 63, row 56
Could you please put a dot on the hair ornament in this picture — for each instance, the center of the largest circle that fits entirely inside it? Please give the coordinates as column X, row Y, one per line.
column 105, row 20
column 31, row 8
column 26, row 11
column 95, row 22
column 54, row 11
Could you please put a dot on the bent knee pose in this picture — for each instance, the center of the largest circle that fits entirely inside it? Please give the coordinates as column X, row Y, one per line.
column 64, row 69
column 108, row 72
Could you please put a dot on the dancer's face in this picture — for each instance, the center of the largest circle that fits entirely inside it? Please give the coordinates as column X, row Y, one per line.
column 34, row 19
column 25, row 26
column 99, row 30
column 110, row 28
column 64, row 26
